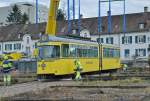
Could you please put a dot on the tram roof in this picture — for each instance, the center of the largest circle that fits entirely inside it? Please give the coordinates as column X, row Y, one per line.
column 69, row 40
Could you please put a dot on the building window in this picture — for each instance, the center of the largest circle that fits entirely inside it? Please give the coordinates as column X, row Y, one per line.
column 148, row 39
column 140, row 39
column 100, row 40
column 126, row 52
column 127, row 40
column 102, row 28
column 109, row 40
column 28, row 50
column 28, row 40
column 140, row 52
column 8, row 47
column 17, row 46
column 141, row 25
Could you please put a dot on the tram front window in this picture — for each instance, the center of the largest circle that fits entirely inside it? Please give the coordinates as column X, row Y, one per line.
column 46, row 52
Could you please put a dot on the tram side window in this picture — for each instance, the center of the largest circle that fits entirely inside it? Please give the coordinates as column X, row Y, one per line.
column 94, row 52
column 118, row 52
column 46, row 52
column 106, row 52
column 111, row 53
column 56, row 52
column 83, row 51
column 73, row 51
column 65, row 50
column 88, row 51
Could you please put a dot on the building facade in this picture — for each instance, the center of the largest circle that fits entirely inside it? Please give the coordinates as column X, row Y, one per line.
column 25, row 7
column 25, row 45
column 132, row 45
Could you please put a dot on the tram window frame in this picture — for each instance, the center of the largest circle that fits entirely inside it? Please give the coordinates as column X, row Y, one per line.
column 74, row 47
column 83, row 51
column 67, row 51
column 111, row 52
column 55, row 49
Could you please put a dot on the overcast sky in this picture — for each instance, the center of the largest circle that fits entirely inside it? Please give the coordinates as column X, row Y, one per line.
column 89, row 8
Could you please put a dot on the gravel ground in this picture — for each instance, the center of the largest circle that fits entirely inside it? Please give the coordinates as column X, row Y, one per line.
column 82, row 91
column 87, row 94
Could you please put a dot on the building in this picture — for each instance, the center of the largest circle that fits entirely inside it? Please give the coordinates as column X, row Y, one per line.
column 134, row 43
column 25, row 7
column 19, row 38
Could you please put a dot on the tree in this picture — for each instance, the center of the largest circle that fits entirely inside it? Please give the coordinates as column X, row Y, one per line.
column 15, row 16
column 60, row 15
column 25, row 18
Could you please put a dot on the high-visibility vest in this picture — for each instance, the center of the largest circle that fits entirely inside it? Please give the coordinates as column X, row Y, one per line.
column 5, row 57
column 35, row 52
column 78, row 66
column 6, row 64
column 10, row 64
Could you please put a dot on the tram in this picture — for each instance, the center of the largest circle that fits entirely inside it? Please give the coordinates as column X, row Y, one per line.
column 57, row 55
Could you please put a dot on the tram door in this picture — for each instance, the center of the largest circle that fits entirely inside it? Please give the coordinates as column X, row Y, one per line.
column 100, row 57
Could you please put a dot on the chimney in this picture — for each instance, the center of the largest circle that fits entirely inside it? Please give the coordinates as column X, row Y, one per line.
column 108, row 13
column 81, row 16
column 145, row 9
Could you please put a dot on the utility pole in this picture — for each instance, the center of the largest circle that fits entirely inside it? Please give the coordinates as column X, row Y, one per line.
column 99, row 39
column 109, row 26
column 37, row 11
column 79, row 17
column 69, row 24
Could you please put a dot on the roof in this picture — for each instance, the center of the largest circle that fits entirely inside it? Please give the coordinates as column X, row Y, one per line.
column 132, row 23
column 11, row 32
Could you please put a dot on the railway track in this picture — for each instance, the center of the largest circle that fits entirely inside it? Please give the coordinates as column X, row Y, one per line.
column 24, row 78
column 31, row 86
column 25, row 89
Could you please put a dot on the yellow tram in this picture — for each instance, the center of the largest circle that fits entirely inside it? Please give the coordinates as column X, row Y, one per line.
column 56, row 57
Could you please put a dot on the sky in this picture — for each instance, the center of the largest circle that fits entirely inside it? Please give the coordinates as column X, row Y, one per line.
column 89, row 8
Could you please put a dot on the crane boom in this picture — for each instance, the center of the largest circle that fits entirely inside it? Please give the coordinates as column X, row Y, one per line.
column 51, row 23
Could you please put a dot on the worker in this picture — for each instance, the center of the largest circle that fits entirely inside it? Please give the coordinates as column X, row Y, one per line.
column 35, row 52
column 125, row 67
column 6, row 65
column 78, row 69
